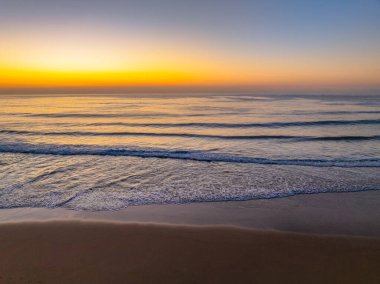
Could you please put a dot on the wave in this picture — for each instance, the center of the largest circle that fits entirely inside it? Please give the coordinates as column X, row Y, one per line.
column 246, row 125
column 192, row 155
column 114, row 115
column 195, row 135
column 342, row 112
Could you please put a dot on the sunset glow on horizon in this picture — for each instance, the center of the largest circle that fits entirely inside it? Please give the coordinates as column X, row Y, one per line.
column 216, row 43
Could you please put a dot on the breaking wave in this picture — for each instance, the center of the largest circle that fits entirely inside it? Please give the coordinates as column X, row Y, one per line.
column 248, row 125
column 195, row 135
column 192, row 155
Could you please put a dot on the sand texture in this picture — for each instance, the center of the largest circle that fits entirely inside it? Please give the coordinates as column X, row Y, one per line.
column 108, row 252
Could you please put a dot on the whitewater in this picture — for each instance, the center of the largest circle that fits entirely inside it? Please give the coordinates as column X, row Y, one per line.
column 109, row 152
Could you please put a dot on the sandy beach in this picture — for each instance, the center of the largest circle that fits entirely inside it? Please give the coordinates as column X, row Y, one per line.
column 174, row 142
column 349, row 213
column 89, row 252
column 288, row 240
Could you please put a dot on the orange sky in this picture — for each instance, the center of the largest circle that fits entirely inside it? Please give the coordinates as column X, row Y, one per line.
column 78, row 54
column 64, row 62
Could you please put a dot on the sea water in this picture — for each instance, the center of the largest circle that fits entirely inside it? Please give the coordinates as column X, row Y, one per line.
column 107, row 152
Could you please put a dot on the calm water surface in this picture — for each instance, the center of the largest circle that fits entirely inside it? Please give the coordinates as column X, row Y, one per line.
column 110, row 152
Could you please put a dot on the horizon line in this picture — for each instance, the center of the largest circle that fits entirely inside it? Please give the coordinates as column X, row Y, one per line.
column 61, row 90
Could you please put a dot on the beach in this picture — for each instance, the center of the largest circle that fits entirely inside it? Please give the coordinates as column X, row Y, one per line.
column 189, row 142
column 296, row 243
column 218, row 188
column 87, row 252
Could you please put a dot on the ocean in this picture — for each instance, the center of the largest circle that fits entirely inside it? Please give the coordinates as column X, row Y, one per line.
column 108, row 152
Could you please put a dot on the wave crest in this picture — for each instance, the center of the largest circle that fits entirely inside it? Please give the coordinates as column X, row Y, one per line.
column 192, row 155
column 195, row 135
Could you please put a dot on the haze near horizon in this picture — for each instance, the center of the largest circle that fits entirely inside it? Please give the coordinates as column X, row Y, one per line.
column 189, row 45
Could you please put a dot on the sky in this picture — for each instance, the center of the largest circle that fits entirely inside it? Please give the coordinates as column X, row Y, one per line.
column 209, row 44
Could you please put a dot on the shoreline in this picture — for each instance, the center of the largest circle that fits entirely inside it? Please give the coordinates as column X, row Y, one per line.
column 343, row 213
column 321, row 238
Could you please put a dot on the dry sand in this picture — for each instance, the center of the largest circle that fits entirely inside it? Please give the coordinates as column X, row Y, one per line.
column 319, row 238
column 106, row 252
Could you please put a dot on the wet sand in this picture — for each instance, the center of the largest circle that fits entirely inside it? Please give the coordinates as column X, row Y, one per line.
column 106, row 252
column 350, row 213
column 319, row 238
